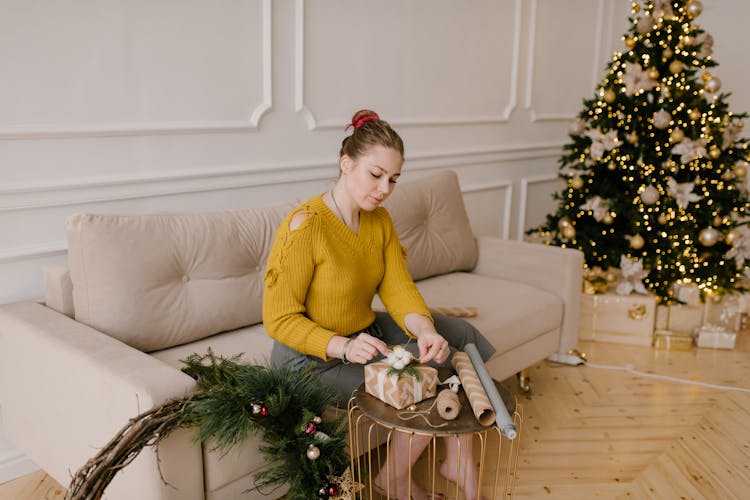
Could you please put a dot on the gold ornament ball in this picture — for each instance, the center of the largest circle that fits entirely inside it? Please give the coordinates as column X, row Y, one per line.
column 709, row 237
column 609, row 96
column 718, row 221
column 731, row 237
column 569, row 232
column 694, row 8
column 576, row 182
column 714, row 153
column 677, row 135
column 667, row 53
column 653, row 73
column 630, row 42
column 608, row 219
column 636, row 242
column 740, row 170
column 675, row 67
column 695, row 114
column 713, row 85
column 662, row 219
column 563, row 223
column 611, row 165
column 706, row 76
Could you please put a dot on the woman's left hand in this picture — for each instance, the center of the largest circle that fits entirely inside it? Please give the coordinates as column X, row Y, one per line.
column 432, row 346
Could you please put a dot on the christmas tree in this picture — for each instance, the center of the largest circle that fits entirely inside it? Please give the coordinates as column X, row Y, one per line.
column 655, row 169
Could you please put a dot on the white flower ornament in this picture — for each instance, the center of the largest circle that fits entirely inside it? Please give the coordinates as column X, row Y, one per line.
column 683, row 192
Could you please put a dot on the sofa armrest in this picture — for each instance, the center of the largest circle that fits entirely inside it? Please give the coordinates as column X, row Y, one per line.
column 66, row 389
column 554, row 269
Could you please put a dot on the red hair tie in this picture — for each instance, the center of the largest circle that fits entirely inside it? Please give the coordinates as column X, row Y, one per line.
column 362, row 120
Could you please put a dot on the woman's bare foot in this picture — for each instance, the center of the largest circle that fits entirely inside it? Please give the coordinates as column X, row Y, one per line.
column 466, row 478
column 400, row 490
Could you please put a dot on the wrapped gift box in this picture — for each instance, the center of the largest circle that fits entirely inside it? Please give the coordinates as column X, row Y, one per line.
column 622, row 319
column 722, row 319
column 715, row 339
column 679, row 318
column 400, row 391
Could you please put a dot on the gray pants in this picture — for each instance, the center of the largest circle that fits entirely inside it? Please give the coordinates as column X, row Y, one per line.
column 346, row 378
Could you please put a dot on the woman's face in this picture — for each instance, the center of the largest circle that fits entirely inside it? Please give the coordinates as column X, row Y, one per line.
column 370, row 178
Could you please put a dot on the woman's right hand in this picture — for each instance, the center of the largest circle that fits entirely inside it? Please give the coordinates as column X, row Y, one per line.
column 363, row 348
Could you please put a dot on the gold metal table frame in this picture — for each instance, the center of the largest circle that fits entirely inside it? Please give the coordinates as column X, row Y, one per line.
column 372, row 424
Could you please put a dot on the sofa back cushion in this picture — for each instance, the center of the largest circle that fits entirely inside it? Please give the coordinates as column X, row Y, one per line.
column 432, row 223
column 159, row 280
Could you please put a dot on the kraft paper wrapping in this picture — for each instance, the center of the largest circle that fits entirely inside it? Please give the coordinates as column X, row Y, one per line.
column 475, row 392
column 402, row 391
column 503, row 420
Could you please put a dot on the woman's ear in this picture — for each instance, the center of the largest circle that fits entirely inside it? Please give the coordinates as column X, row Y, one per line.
column 345, row 164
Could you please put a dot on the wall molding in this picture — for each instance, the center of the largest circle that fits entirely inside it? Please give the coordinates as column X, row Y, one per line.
column 37, row 251
column 314, row 123
column 505, row 185
column 534, row 115
column 84, row 191
column 69, row 130
column 524, row 195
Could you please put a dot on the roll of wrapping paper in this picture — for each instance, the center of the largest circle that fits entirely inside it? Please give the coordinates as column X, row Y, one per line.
column 503, row 420
column 448, row 404
column 474, row 389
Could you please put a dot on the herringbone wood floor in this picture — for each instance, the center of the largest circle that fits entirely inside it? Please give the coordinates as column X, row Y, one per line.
column 597, row 433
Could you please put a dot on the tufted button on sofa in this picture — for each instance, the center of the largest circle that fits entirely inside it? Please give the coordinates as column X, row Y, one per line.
column 142, row 292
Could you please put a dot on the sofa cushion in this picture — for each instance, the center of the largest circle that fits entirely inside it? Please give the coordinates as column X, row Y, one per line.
column 159, row 280
column 432, row 223
column 509, row 313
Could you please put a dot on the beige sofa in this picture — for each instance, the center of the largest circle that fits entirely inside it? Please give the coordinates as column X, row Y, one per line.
column 144, row 291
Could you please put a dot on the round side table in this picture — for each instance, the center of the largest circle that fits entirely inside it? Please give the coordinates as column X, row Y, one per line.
column 373, row 424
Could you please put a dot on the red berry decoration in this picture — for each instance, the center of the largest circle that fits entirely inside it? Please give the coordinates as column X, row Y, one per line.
column 263, row 411
column 332, row 490
column 311, row 429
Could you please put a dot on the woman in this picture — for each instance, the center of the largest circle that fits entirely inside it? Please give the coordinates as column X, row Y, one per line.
column 329, row 258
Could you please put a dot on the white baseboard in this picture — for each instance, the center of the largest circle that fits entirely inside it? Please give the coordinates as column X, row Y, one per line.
column 15, row 465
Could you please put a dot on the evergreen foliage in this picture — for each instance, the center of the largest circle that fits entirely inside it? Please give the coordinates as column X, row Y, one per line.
column 655, row 170
column 233, row 401
column 228, row 412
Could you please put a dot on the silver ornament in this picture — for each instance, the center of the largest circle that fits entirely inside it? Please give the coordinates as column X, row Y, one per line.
column 649, row 195
column 313, row 452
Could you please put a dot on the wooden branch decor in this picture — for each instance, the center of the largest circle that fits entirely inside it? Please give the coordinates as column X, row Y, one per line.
column 234, row 401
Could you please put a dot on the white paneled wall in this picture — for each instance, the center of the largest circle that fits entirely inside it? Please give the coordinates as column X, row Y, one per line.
column 184, row 105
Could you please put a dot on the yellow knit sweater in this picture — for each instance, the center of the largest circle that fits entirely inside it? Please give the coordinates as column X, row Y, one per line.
column 321, row 278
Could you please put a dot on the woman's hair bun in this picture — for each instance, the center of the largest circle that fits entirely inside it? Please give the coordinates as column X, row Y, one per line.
column 361, row 117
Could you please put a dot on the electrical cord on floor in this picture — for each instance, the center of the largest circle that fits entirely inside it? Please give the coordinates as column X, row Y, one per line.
column 631, row 369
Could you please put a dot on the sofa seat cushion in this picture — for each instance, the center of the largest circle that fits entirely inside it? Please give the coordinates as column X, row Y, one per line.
column 255, row 346
column 155, row 281
column 509, row 313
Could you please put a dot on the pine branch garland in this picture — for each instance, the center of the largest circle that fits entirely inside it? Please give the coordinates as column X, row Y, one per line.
column 233, row 402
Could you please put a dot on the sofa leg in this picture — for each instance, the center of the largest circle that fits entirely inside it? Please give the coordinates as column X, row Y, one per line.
column 524, row 382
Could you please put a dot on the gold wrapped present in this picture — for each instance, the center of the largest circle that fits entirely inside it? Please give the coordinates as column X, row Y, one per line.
column 401, row 390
